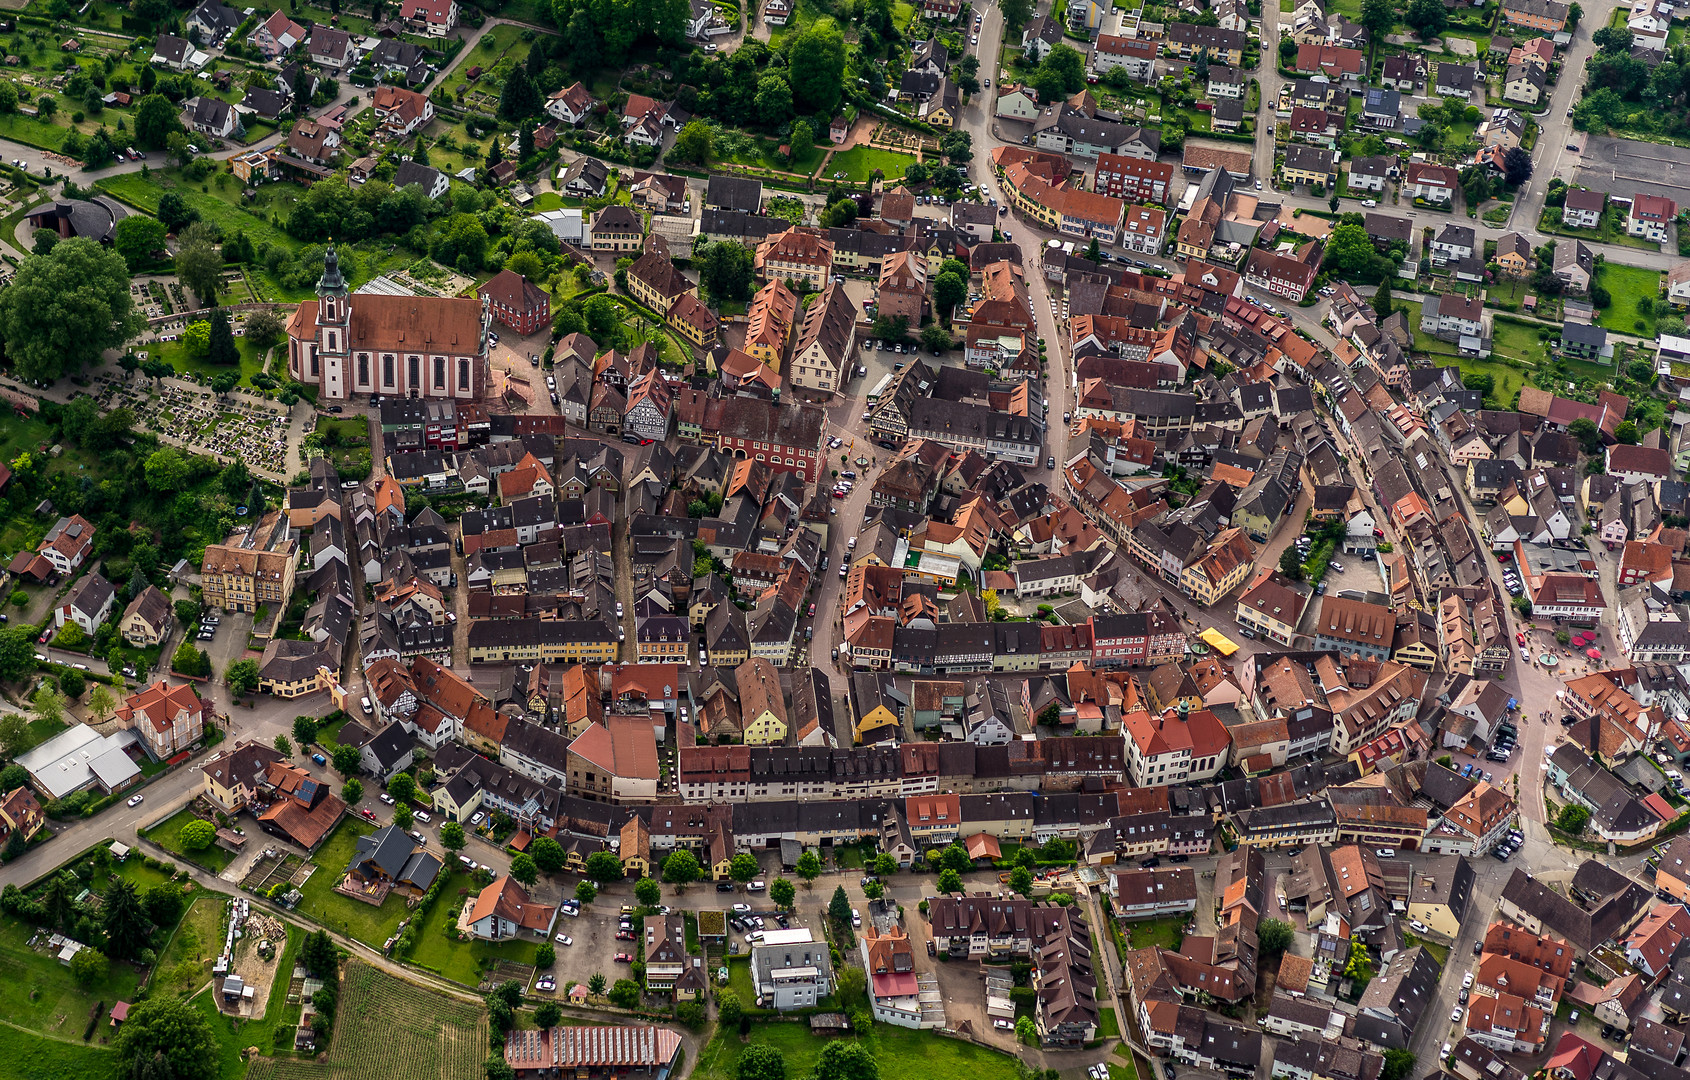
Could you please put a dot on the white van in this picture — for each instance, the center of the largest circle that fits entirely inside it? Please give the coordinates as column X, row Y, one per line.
column 365, row 703
column 422, row 816
column 757, row 886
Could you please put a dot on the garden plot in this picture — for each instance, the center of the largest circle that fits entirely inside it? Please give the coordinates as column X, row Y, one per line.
column 260, row 940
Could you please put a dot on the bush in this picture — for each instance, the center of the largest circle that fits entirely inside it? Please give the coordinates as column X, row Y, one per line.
column 197, row 836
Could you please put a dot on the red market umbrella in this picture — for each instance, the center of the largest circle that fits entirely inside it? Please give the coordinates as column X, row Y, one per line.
column 1594, row 654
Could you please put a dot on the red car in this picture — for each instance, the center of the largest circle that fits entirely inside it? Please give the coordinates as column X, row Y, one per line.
column 624, row 958
column 812, row 609
column 625, row 935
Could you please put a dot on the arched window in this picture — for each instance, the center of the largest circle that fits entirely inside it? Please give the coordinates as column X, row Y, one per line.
column 363, row 369
column 387, row 371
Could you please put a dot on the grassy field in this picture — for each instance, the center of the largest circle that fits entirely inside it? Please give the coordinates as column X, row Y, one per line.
column 176, row 352
column 501, row 42
column 1610, row 230
column 186, row 963
column 1167, row 933
column 167, row 834
column 461, row 961
column 371, row 925
column 274, row 1031
column 903, row 1054
column 859, row 162
column 1107, row 1026
column 387, row 1029
column 38, row 993
column 1627, row 285
column 1517, row 340
column 30, row 1057
column 1508, row 380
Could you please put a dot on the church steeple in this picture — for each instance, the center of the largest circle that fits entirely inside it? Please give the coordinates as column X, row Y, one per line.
column 332, row 306
column 331, row 282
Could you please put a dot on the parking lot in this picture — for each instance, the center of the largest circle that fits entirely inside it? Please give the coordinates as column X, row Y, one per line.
column 1624, row 167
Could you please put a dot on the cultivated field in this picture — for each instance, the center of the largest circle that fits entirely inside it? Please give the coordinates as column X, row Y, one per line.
column 388, row 1029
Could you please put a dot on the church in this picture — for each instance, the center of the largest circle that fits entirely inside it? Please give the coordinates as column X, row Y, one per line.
column 406, row 346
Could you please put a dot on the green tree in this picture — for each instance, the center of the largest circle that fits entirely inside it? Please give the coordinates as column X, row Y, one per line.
column 948, row 292
column 729, row 1008
column 1379, row 17
column 403, row 787
column 346, row 759
column 1025, row 1032
column 809, row 866
column 89, row 966
column 1274, row 935
column 1382, row 299
column 304, row 728
column 319, row 955
column 156, row 118
column 241, row 677
column 197, row 835
column 816, row 67
column 352, row 792
column 802, row 140
column 774, row 100
column 842, row 1060
column 518, row 98
column 1586, row 432
column 625, row 994
column 839, row 908
column 545, row 956
column 126, row 925
column 1016, row 13
column 586, row 892
column 196, row 337
column 1626, row 433
column 1398, row 1064
column 744, row 867
column 174, row 213
column 548, row 853
column 760, row 1061
column 1021, row 880
column 452, row 839
column 284, row 746
column 165, row 903
column 1572, row 819
column 935, row 337
column 726, row 271
column 15, row 737
column 950, row 881
column 165, row 1037
column 1069, row 66
column 166, row 471
column 71, row 683
column 596, row 985
column 885, row 864
column 223, row 349
column 648, row 892
column 63, row 309
column 524, row 870
column 955, row 857
column 199, row 264
column 680, row 868
column 1426, row 18
column 49, row 704
column 604, row 867
column 694, row 143
column 782, row 892
column 44, row 241
column 1349, row 250
column 1291, row 564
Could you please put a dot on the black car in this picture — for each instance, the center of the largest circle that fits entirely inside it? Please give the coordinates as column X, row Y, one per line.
column 1149, row 863
column 724, row 886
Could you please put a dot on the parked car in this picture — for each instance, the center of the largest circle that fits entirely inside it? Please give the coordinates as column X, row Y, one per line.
column 135, row 800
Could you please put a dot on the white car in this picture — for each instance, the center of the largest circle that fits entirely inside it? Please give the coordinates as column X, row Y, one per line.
column 1467, row 982
column 1455, row 1015
column 1370, row 202
column 1446, row 1051
column 563, row 939
column 742, row 909
column 135, row 800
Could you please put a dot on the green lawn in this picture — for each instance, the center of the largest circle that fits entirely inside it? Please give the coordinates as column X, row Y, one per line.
column 1167, row 933
column 371, row 925
column 1508, row 380
column 176, row 352
column 462, row 961
column 1517, row 341
column 30, row 1057
column 501, row 42
column 903, row 1054
column 739, row 979
column 1627, row 285
column 38, row 993
column 859, row 162
column 763, row 155
column 167, row 834
column 1611, row 229
column 186, row 963
column 274, row 1031
column 1107, row 1026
